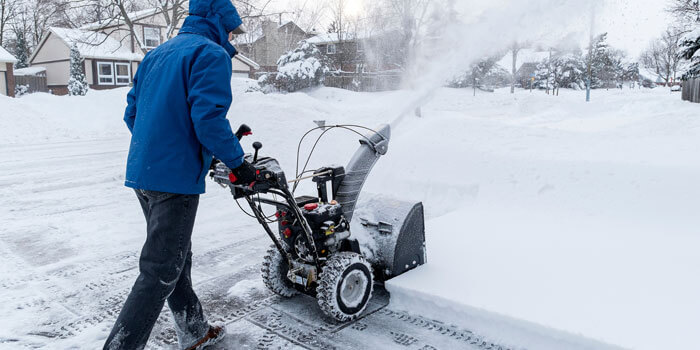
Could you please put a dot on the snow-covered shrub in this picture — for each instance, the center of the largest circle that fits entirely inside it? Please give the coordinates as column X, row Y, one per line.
column 77, row 85
column 21, row 90
column 298, row 69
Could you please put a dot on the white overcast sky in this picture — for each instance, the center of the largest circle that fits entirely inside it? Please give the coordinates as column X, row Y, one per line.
column 631, row 24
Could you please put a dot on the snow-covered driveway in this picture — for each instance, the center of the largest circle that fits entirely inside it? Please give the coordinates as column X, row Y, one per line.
column 70, row 244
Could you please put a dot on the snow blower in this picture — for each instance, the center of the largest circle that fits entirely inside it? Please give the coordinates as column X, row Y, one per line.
column 314, row 250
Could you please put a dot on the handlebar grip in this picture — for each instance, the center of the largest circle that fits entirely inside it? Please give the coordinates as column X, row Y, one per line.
column 243, row 130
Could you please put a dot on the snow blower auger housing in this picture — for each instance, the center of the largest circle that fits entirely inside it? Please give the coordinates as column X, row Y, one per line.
column 314, row 251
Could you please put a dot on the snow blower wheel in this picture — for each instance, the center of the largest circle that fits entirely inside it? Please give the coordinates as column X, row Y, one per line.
column 274, row 274
column 345, row 286
column 314, row 252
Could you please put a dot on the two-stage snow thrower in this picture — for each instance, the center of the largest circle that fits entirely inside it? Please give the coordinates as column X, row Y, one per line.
column 315, row 252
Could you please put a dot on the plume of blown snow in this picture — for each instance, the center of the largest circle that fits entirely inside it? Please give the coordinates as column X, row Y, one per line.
column 480, row 30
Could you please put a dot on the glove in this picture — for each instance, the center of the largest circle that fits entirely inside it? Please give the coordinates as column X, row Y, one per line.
column 243, row 175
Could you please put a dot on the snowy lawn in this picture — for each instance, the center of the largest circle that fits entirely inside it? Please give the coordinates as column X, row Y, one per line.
column 546, row 216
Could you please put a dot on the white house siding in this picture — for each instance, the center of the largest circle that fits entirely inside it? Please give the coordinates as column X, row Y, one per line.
column 156, row 20
column 88, row 71
column 3, row 66
column 54, row 49
column 240, row 67
column 134, row 67
column 3, row 81
column 57, row 73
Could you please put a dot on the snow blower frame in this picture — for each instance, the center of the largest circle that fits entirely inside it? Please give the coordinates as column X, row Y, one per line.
column 314, row 251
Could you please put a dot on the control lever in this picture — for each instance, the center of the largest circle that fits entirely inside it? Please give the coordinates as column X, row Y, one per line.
column 243, row 130
column 257, row 146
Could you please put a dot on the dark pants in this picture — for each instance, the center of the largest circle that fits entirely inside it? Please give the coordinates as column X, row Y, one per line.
column 164, row 267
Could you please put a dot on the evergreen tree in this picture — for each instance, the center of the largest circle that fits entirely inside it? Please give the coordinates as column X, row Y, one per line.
column 562, row 71
column 298, row 69
column 606, row 64
column 77, row 85
column 483, row 74
column 631, row 72
column 21, row 51
column 690, row 45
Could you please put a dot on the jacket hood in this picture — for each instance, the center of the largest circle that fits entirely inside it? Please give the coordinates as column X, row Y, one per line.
column 213, row 19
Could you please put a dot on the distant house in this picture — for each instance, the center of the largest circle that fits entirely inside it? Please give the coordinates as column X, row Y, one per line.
column 7, row 78
column 108, row 64
column 525, row 66
column 358, row 53
column 266, row 44
column 345, row 53
column 111, row 52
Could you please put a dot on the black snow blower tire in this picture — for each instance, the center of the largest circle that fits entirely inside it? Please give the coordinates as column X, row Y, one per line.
column 274, row 274
column 345, row 286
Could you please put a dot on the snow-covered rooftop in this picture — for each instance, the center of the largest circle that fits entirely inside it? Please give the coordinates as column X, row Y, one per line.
column 6, row 56
column 29, row 71
column 95, row 45
column 247, row 61
column 524, row 56
column 330, row 38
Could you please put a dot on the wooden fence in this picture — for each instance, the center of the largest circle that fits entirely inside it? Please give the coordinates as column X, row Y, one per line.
column 691, row 90
column 33, row 83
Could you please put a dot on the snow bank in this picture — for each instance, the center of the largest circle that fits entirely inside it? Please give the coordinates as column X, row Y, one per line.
column 41, row 117
column 579, row 217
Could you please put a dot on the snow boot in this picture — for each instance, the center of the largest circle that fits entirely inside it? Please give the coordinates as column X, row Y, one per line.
column 213, row 336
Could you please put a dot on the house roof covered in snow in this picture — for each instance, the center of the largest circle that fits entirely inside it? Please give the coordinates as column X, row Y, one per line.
column 29, row 71
column 253, row 35
column 92, row 44
column 333, row 38
column 247, row 61
column 524, row 56
column 6, row 56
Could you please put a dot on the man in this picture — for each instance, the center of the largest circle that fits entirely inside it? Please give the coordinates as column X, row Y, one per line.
column 177, row 116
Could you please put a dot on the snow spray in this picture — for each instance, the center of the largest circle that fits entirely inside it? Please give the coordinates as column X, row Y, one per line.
column 481, row 29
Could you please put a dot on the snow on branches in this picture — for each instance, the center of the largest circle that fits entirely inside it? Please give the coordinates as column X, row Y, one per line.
column 298, row 69
column 77, row 85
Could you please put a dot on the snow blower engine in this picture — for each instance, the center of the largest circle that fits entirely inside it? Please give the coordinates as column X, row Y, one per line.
column 315, row 252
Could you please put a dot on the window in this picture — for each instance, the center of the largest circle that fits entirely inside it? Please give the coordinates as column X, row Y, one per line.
column 123, row 76
column 151, row 37
column 331, row 49
column 105, row 73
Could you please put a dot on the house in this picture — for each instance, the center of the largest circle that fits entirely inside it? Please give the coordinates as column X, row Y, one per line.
column 111, row 51
column 7, row 78
column 361, row 52
column 270, row 41
column 525, row 65
column 345, row 54
column 108, row 63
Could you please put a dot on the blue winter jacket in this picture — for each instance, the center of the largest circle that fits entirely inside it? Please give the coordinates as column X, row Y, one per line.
column 177, row 108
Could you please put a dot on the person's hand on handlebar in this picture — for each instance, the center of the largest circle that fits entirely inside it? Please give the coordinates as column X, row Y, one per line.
column 244, row 175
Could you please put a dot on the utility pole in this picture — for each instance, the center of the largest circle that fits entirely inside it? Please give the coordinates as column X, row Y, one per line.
column 590, row 56
column 549, row 71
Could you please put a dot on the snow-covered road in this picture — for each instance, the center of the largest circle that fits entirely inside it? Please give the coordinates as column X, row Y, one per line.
column 70, row 249
column 551, row 222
